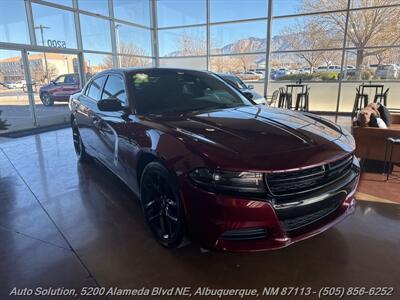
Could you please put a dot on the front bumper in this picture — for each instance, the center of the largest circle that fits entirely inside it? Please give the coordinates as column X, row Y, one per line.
column 211, row 216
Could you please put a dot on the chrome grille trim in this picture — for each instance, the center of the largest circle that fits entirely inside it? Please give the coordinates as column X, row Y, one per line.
column 284, row 184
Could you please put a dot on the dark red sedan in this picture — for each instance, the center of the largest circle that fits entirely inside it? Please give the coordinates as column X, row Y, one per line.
column 209, row 164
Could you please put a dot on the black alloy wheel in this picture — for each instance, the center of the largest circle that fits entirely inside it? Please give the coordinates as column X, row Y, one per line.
column 78, row 145
column 46, row 99
column 161, row 205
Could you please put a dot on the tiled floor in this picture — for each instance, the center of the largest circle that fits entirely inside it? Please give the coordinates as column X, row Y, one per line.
column 71, row 225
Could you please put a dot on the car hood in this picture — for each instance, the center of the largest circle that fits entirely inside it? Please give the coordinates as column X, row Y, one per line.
column 256, row 132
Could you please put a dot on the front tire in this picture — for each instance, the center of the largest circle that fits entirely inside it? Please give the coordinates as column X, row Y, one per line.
column 46, row 99
column 161, row 205
column 78, row 144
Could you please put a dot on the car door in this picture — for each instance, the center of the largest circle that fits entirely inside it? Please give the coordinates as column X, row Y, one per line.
column 110, row 123
column 57, row 89
column 87, row 116
column 70, row 86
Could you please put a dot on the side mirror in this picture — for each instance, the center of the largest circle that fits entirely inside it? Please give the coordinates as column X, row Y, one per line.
column 53, row 82
column 109, row 105
column 248, row 95
column 250, row 86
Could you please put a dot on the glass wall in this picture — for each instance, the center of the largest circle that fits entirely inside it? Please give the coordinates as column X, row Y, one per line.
column 332, row 46
column 63, row 44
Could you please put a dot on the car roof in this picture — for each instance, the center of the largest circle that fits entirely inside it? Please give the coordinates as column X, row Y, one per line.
column 144, row 69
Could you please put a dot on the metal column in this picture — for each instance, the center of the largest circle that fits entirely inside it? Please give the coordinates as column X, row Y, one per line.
column 28, row 80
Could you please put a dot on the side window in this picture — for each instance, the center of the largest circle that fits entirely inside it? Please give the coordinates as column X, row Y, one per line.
column 114, row 88
column 60, row 80
column 94, row 90
column 71, row 79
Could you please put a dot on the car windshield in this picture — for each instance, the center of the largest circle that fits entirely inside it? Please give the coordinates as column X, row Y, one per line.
column 164, row 91
column 235, row 81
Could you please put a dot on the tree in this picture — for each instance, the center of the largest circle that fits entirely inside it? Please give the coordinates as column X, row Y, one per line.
column 368, row 27
column 190, row 45
column 310, row 38
column 132, row 57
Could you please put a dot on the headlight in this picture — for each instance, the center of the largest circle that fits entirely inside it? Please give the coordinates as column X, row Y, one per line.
column 227, row 181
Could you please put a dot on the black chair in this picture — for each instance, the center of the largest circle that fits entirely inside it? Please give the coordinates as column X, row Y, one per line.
column 285, row 99
column 273, row 99
column 360, row 101
column 380, row 97
column 302, row 100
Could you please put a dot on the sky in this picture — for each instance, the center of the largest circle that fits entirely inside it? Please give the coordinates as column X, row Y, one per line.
column 13, row 25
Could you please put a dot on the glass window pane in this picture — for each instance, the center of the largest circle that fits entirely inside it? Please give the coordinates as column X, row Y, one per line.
column 97, row 7
column 54, row 27
column 369, row 3
column 94, row 63
column 13, row 24
column 132, row 61
column 198, row 63
column 182, row 42
column 290, row 7
column 14, row 103
column 240, row 64
column 133, row 40
column 385, row 32
column 177, row 12
column 238, row 37
column 310, row 33
column 61, row 2
column 320, row 70
column 225, row 10
column 55, row 76
column 137, row 11
column 95, row 33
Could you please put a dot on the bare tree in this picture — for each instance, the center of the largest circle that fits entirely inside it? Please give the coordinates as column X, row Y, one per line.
column 369, row 27
column 133, row 57
column 312, row 37
column 189, row 44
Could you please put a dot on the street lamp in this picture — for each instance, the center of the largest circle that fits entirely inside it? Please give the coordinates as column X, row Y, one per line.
column 41, row 28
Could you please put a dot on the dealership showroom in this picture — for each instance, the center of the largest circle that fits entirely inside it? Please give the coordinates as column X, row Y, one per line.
column 216, row 149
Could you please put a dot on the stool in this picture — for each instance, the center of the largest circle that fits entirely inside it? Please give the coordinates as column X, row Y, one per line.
column 285, row 99
column 381, row 97
column 302, row 101
column 388, row 165
column 360, row 101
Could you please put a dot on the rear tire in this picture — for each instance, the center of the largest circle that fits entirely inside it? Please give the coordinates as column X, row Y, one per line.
column 46, row 99
column 161, row 205
column 78, row 145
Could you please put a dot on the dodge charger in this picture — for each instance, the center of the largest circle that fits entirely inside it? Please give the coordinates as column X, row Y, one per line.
column 210, row 165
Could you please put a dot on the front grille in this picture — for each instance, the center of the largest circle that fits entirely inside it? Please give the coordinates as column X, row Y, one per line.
column 304, row 220
column 244, row 234
column 283, row 184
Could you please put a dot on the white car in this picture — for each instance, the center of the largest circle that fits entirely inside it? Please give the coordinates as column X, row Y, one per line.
column 249, row 75
column 391, row 71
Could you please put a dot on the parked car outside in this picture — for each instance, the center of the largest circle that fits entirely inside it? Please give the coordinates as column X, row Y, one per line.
column 208, row 164
column 248, row 90
column 280, row 73
column 390, row 71
column 60, row 89
column 249, row 75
